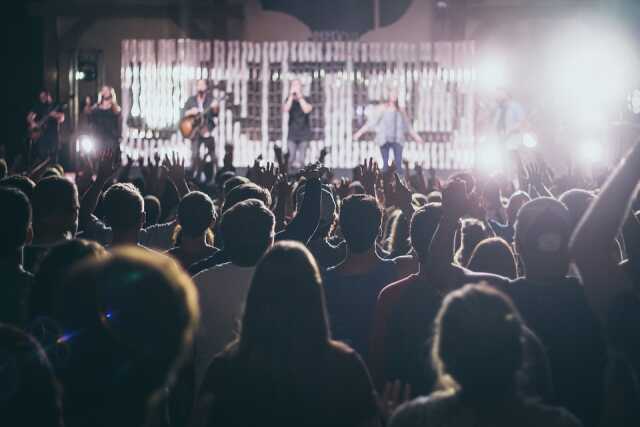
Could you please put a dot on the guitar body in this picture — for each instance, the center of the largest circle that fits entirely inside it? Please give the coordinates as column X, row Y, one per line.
column 35, row 132
column 189, row 126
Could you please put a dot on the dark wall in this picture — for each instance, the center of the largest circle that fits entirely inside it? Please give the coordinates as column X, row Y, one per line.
column 23, row 66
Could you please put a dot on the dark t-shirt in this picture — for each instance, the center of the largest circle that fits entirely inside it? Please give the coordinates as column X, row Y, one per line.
column 351, row 301
column 299, row 123
column 104, row 123
column 333, row 391
column 558, row 313
column 49, row 138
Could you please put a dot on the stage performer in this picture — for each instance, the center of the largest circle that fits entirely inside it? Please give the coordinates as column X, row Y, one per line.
column 299, row 110
column 202, row 103
column 104, row 120
column 44, row 120
column 509, row 119
column 391, row 125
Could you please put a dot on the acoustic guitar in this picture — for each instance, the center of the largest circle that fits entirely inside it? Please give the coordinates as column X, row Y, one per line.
column 191, row 124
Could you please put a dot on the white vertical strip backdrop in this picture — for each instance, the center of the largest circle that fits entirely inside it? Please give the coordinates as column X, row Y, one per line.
column 435, row 83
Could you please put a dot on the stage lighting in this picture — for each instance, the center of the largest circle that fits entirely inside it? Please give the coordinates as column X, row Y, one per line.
column 591, row 152
column 529, row 140
column 85, row 144
column 634, row 101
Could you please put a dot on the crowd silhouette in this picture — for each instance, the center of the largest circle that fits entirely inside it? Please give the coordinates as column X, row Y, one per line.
column 135, row 295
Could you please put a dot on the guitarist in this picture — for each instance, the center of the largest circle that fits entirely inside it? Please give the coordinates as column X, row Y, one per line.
column 202, row 102
column 43, row 121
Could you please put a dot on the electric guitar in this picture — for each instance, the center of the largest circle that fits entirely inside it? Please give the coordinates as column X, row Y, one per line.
column 37, row 128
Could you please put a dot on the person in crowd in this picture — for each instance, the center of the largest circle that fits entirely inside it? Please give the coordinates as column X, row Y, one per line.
column 477, row 352
column 55, row 217
column 152, row 210
column 613, row 290
column 54, row 268
column 247, row 230
column 352, row 286
column 472, row 232
column 21, row 182
column 128, row 322
column 16, row 231
column 29, row 394
column 157, row 236
column 124, row 212
column 326, row 254
column 493, row 255
column 514, row 204
column 301, row 228
column 196, row 214
column 577, row 202
column 284, row 368
column 406, row 309
column 555, row 307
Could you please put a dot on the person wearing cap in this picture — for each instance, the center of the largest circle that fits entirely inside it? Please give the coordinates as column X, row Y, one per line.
column 326, row 254
column 555, row 307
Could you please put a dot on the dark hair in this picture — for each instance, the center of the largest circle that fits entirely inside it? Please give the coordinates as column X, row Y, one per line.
column 473, row 232
column 123, row 206
column 247, row 230
column 129, row 320
column 3, row 168
column 360, row 221
column 542, row 233
column 516, row 201
column 577, row 202
column 21, row 182
column 15, row 220
column 478, row 343
column 424, row 223
column 493, row 255
column 54, row 268
column 245, row 192
column 399, row 242
column 195, row 214
column 285, row 306
column 356, row 187
column 152, row 210
column 233, row 182
column 29, row 394
column 54, row 196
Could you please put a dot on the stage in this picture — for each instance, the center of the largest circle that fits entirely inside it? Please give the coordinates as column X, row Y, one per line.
column 343, row 80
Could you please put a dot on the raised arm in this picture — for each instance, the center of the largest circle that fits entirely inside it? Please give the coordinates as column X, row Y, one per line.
column 107, row 167
column 304, row 224
column 593, row 239
column 286, row 107
column 306, row 106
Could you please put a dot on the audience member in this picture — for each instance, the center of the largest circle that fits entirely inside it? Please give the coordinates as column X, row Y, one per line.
column 15, row 229
column 21, row 182
column 477, row 352
column 284, row 369
column 152, row 210
column 472, row 232
column 493, row 255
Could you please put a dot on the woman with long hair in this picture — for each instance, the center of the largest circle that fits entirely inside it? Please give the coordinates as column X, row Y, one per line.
column 105, row 119
column 477, row 352
column 284, row 369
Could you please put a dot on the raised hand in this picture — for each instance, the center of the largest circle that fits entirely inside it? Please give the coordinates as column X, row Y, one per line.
column 174, row 168
column 370, row 173
column 314, row 171
column 265, row 176
column 394, row 395
column 402, row 194
column 343, row 187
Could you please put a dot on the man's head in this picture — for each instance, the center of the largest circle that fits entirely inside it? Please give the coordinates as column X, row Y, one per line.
column 360, row 222
column 516, row 201
column 124, row 207
column 55, row 207
column 577, row 202
column 21, row 182
column 195, row 214
column 129, row 320
column 45, row 97
column 153, row 210
column 542, row 233
column 247, row 230
column 245, row 192
column 15, row 221
column 233, row 182
column 201, row 87
column 424, row 223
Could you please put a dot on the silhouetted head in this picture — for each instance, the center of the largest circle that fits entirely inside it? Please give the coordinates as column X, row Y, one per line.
column 360, row 222
column 516, row 201
column 21, row 182
column 195, row 214
column 245, row 192
column 542, row 233
column 15, row 221
column 423, row 226
column 577, row 202
column 55, row 207
column 493, row 255
column 152, row 209
column 473, row 232
column 124, row 207
column 247, row 230
column 477, row 347
column 29, row 392
column 285, row 307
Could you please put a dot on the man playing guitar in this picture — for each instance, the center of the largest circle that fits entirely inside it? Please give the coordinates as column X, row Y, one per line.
column 202, row 103
column 43, row 121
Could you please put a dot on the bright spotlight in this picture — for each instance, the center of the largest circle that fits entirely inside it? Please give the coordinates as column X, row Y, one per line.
column 634, row 101
column 489, row 157
column 529, row 140
column 85, row 144
column 591, row 152
column 492, row 74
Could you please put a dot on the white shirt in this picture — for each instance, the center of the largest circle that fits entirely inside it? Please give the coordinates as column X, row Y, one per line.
column 222, row 291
